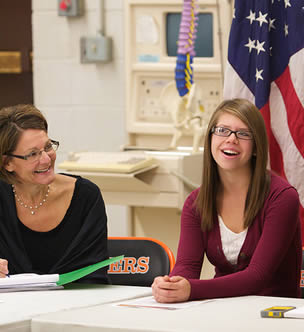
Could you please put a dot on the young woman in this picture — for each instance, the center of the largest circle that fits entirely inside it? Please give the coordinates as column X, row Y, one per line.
column 244, row 218
column 49, row 223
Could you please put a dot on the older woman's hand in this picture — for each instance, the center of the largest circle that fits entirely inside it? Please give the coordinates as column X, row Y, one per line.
column 171, row 289
column 3, row 268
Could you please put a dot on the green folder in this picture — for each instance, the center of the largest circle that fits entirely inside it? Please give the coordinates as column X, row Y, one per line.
column 65, row 278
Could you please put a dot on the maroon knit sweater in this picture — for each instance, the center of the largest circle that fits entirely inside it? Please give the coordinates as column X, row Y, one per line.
column 269, row 262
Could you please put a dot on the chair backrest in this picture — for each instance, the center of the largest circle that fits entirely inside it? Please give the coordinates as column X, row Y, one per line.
column 144, row 259
column 302, row 274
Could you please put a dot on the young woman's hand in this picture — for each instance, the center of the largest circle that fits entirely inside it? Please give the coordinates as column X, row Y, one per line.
column 3, row 268
column 171, row 289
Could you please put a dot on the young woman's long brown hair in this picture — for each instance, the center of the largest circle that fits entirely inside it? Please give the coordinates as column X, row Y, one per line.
column 260, row 179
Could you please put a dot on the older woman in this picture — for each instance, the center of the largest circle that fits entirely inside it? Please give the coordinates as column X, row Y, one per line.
column 244, row 218
column 49, row 223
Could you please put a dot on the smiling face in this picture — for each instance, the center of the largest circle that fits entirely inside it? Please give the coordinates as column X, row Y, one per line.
column 37, row 172
column 231, row 153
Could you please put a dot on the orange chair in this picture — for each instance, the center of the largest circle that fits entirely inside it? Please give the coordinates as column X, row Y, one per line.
column 144, row 259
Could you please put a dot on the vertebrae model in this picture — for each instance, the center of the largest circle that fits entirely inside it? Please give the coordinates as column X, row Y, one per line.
column 182, row 97
column 185, row 51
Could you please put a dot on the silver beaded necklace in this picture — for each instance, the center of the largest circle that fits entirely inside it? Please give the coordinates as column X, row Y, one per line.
column 33, row 209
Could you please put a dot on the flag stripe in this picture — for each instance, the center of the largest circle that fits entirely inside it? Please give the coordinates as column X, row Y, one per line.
column 294, row 109
column 293, row 161
column 276, row 157
column 296, row 64
column 275, row 154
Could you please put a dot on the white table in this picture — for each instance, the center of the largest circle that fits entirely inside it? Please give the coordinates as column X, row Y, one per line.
column 17, row 309
column 230, row 314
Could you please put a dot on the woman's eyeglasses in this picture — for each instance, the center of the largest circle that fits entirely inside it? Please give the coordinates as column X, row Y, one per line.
column 35, row 155
column 226, row 132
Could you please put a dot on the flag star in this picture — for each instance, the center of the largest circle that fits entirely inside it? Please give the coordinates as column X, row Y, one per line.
column 270, row 50
column 250, row 44
column 262, row 18
column 259, row 47
column 271, row 24
column 251, row 16
column 258, row 74
column 233, row 16
column 287, row 3
column 286, row 29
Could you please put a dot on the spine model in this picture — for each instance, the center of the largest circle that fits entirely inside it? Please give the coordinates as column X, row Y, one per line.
column 185, row 51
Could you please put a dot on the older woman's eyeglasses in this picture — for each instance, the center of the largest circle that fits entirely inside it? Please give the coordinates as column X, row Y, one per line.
column 35, row 155
column 226, row 132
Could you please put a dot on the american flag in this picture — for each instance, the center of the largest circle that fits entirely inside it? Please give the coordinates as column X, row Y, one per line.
column 266, row 66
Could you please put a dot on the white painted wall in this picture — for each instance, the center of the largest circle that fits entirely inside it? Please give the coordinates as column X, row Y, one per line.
column 83, row 103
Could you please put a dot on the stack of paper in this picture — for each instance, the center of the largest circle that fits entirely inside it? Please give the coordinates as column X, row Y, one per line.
column 29, row 281
column 32, row 281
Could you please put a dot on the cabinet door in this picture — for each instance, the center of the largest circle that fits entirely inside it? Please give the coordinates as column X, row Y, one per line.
column 16, row 77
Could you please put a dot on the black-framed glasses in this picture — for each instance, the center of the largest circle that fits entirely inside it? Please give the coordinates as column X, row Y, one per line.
column 35, row 155
column 226, row 132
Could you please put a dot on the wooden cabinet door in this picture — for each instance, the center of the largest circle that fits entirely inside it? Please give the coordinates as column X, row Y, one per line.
column 16, row 76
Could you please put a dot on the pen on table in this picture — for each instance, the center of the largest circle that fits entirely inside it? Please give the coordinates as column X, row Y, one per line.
column 8, row 275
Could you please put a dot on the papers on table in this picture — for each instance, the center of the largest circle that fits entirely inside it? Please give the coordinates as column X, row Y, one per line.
column 295, row 313
column 28, row 281
column 149, row 302
column 32, row 281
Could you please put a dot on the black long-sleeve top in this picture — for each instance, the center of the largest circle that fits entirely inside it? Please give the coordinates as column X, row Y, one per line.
column 79, row 240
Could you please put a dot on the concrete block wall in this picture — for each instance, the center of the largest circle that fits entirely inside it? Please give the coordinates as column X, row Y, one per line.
column 83, row 103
